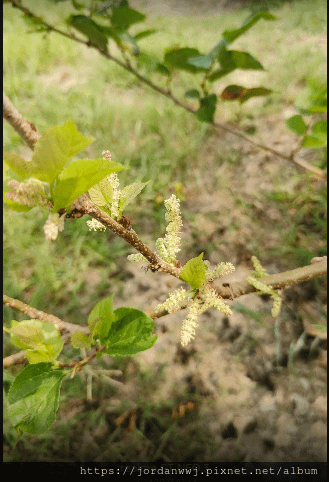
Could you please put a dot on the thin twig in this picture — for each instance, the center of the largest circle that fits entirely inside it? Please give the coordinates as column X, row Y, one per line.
column 33, row 313
column 167, row 93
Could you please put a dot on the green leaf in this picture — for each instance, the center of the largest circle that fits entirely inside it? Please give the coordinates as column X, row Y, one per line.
column 101, row 194
column 78, row 177
column 21, row 208
column 194, row 272
column 40, row 338
column 130, row 333
column 297, row 125
column 90, row 29
column 231, row 35
column 207, row 108
column 179, row 59
column 17, row 164
column 33, row 398
column 80, row 340
column 204, row 62
column 255, row 92
column 318, row 138
column 123, row 17
column 217, row 74
column 192, row 94
column 313, row 142
column 129, row 192
column 319, row 130
column 242, row 94
column 243, row 60
column 54, row 149
column 144, row 34
column 101, row 318
column 312, row 99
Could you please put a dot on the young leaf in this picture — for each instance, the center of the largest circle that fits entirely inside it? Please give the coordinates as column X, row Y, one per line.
column 129, row 192
column 80, row 340
column 130, row 333
column 90, row 29
column 179, row 59
column 231, row 35
column 296, row 124
column 17, row 164
column 194, row 272
column 101, row 318
column 207, row 108
column 78, row 177
column 102, row 193
column 54, row 149
column 40, row 338
column 33, row 398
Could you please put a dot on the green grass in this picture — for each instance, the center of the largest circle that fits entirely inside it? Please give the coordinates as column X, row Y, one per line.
column 161, row 143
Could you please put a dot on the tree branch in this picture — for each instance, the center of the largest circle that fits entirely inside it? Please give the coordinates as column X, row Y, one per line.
column 127, row 66
column 24, row 127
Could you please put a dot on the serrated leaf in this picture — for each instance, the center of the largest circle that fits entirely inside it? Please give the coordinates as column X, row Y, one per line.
column 129, row 192
column 54, row 149
column 194, row 272
column 18, row 164
column 130, row 333
column 80, row 340
column 207, row 108
column 179, row 59
column 101, row 318
column 40, row 338
column 231, row 35
column 33, row 398
column 123, row 17
column 102, row 193
column 90, row 29
column 78, row 177
column 296, row 124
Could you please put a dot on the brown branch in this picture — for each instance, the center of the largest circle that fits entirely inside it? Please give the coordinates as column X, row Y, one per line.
column 167, row 93
column 24, row 127
column 33, row 313
column 225, row 290
column 66, row 328
column 86, row 206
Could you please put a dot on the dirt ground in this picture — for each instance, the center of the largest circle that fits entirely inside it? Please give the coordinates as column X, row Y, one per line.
column 255, row 407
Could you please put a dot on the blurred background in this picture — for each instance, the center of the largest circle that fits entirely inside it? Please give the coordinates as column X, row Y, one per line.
column 228, row 396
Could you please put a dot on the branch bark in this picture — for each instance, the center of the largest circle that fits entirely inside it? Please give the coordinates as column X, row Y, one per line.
column 22, row 126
